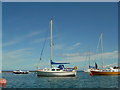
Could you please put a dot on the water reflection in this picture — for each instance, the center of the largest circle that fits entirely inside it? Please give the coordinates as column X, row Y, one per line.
column 3, row 85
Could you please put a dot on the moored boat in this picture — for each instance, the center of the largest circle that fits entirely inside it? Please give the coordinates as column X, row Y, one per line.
column 110, row 71
column 87, row 70
column 91, row 68
column 59, row 71
column 20, row 72
column 55, row 72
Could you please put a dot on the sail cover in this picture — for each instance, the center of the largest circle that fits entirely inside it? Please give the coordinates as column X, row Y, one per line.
column 91, row 67
column 58, row 63
column 96, row 65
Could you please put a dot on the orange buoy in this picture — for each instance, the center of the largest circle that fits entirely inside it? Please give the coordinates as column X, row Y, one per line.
column 2, row 81
column 91, row 74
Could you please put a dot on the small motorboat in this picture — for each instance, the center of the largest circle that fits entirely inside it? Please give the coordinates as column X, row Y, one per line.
column 20, row 72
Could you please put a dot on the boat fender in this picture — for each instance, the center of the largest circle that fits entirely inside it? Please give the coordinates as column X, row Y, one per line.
column 2, row 81
column 75, row 67
column 91, row 74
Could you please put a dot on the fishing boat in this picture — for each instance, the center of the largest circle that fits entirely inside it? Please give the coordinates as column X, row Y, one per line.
column 20, row 72
column 109, row 71
column 61, row 70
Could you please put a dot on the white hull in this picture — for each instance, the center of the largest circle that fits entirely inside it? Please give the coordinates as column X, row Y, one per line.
column 87, row 71
column 56, row 73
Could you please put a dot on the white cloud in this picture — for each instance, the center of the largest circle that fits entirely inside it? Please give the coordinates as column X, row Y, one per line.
column 71, row 54
column 77, row 44
column 74, row 46
column 22, row 59
column 10, row 43
column 39, row 65
column 78, row 57
column 58, row 46
column 16, row 58
column 22, row 38
column 33, row 34
column 16, row 54
column 38, row 40
column 77, row 54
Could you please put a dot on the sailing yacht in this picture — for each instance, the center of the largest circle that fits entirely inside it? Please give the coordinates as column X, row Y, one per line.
column 109, row 71
column 90, row 67
column 59, row 71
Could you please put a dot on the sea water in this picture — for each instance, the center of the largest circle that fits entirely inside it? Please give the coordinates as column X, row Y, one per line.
column 82, row 80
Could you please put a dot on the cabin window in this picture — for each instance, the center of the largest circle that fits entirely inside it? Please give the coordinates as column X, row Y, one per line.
column 53, row 69
column 58, row 69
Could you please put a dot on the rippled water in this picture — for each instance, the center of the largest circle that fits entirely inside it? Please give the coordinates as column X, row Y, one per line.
column 82, row 80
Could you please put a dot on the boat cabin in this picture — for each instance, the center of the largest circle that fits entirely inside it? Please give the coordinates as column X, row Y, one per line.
column 52, row 69
column 116, row 67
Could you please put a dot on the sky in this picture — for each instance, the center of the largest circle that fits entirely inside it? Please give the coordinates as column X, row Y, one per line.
column 0, row 37
column 76, row 31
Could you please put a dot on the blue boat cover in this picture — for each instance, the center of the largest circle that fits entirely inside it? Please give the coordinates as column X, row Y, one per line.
column 91, row 66
column 61, row 67
column 58, row 63
column 94, row 66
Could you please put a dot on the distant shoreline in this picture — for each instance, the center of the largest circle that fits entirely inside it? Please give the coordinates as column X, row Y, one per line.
column 30, row 71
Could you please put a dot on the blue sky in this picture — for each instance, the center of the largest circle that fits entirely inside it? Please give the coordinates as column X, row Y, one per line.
column 0, row 37
column 76, row 29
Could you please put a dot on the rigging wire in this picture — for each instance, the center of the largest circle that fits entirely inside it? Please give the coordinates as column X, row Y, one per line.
column 98, row 46
column 44, row 43
column 43, row 49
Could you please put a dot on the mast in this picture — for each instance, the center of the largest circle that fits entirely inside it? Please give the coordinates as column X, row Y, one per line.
column 89, row 57
column 101, row 49
column 50, row 42
column 100, row 43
